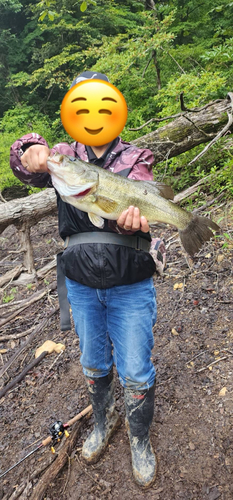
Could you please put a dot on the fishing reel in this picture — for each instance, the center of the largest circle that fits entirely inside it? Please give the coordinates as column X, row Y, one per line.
column 57, row 431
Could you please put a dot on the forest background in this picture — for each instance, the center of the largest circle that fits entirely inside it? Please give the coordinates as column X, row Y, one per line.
column 152, row 51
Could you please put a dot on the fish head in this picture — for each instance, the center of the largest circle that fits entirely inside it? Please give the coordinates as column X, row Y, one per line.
column 71, row 176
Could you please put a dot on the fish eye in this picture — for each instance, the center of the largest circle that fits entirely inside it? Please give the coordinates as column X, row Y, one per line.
column 105, row 111
column 82, row 112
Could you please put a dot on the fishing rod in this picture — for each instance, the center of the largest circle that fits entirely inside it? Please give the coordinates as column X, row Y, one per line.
column 57, row 431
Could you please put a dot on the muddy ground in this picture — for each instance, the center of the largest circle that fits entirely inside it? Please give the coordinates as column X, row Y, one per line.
column 193, row 354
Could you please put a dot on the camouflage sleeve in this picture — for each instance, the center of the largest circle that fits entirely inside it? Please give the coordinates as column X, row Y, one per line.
column 20, row 146
column 64, row 149
column 142, row 169
column 17, row 150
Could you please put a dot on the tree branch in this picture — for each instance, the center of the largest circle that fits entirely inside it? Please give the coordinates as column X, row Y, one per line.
column 220, row 133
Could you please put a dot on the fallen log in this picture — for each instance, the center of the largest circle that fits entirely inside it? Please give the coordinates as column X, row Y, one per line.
column 33, row 208
column 188, row 130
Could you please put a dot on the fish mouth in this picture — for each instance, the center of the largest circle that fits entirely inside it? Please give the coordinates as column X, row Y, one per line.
column 92, row 131
column 81, row 194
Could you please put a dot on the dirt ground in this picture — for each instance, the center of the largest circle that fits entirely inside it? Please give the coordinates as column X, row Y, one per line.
column 193, row 355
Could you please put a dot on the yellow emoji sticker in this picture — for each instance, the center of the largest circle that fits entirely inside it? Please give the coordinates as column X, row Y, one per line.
column 94, row 112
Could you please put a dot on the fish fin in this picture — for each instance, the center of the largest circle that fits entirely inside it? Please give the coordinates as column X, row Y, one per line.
column 162, row 189
column 106, row 204
column 96, row 220
column 198, row 231
column 165, row 191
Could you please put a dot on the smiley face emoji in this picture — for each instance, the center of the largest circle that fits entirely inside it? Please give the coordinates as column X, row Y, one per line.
column 94, row 112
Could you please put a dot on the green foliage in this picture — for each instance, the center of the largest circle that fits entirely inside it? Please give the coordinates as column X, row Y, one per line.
column 17, row 122
column 7, row 297
column 197, row 89
column 217, row 163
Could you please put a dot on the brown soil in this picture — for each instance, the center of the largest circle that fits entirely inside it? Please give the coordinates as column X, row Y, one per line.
column 193, row 355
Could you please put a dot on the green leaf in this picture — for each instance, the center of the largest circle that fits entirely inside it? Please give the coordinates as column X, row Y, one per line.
column 83, row 6
column 43, row 15
column 51, row 15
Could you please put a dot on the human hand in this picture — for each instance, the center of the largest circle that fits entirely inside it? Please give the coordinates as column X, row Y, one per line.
column 131, row 220
column 35, row 158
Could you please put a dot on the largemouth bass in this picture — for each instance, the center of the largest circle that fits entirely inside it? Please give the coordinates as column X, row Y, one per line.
column 104, row 195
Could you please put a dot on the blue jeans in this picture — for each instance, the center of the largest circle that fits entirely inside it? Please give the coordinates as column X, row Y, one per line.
column 114, row 325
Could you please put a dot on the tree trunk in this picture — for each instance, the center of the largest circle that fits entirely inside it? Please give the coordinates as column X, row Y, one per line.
column 29, row 209
column 186, row 131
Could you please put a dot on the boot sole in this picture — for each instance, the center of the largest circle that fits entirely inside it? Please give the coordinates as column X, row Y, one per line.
column 98, row 454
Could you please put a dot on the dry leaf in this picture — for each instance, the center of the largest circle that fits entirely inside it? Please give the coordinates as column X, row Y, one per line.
column 220, row 258
column 192, row 446
column 223, row 391
column 174, row 332
column 2, row 351
column 178, row 286
column 216, row 353
column 208, row 256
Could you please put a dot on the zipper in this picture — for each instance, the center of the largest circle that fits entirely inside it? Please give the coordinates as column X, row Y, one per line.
column 101, row 264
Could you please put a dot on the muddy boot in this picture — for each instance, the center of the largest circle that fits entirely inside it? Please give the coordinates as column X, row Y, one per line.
column 105, row 416
column 139, row 414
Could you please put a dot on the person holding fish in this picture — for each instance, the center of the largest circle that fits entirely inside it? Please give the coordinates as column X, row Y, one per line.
column 107, row 261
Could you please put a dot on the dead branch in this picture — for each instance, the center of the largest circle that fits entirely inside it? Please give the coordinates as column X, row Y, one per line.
column 47, row 348
column 10, row 275
column 156, row 120
column 211, row 364
column 36, row 330
column 21, row 488
column 187, row 192
column 175, row 61
column 177, row 115
column 26, row 246
column 20, row 377
column 35, row 297
column 2, row 199
column 26, row 278
column 209, row 203
column 220, row 133
column 51, row 473
column 41, row 273
column 16, row 336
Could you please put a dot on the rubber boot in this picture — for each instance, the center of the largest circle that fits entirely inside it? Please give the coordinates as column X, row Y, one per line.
column 139, row 414
column 105, row 416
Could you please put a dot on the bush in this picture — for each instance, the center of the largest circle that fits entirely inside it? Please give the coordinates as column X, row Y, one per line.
column 15, row 123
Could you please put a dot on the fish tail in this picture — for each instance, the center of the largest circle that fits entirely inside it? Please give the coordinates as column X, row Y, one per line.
column 198, row 231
